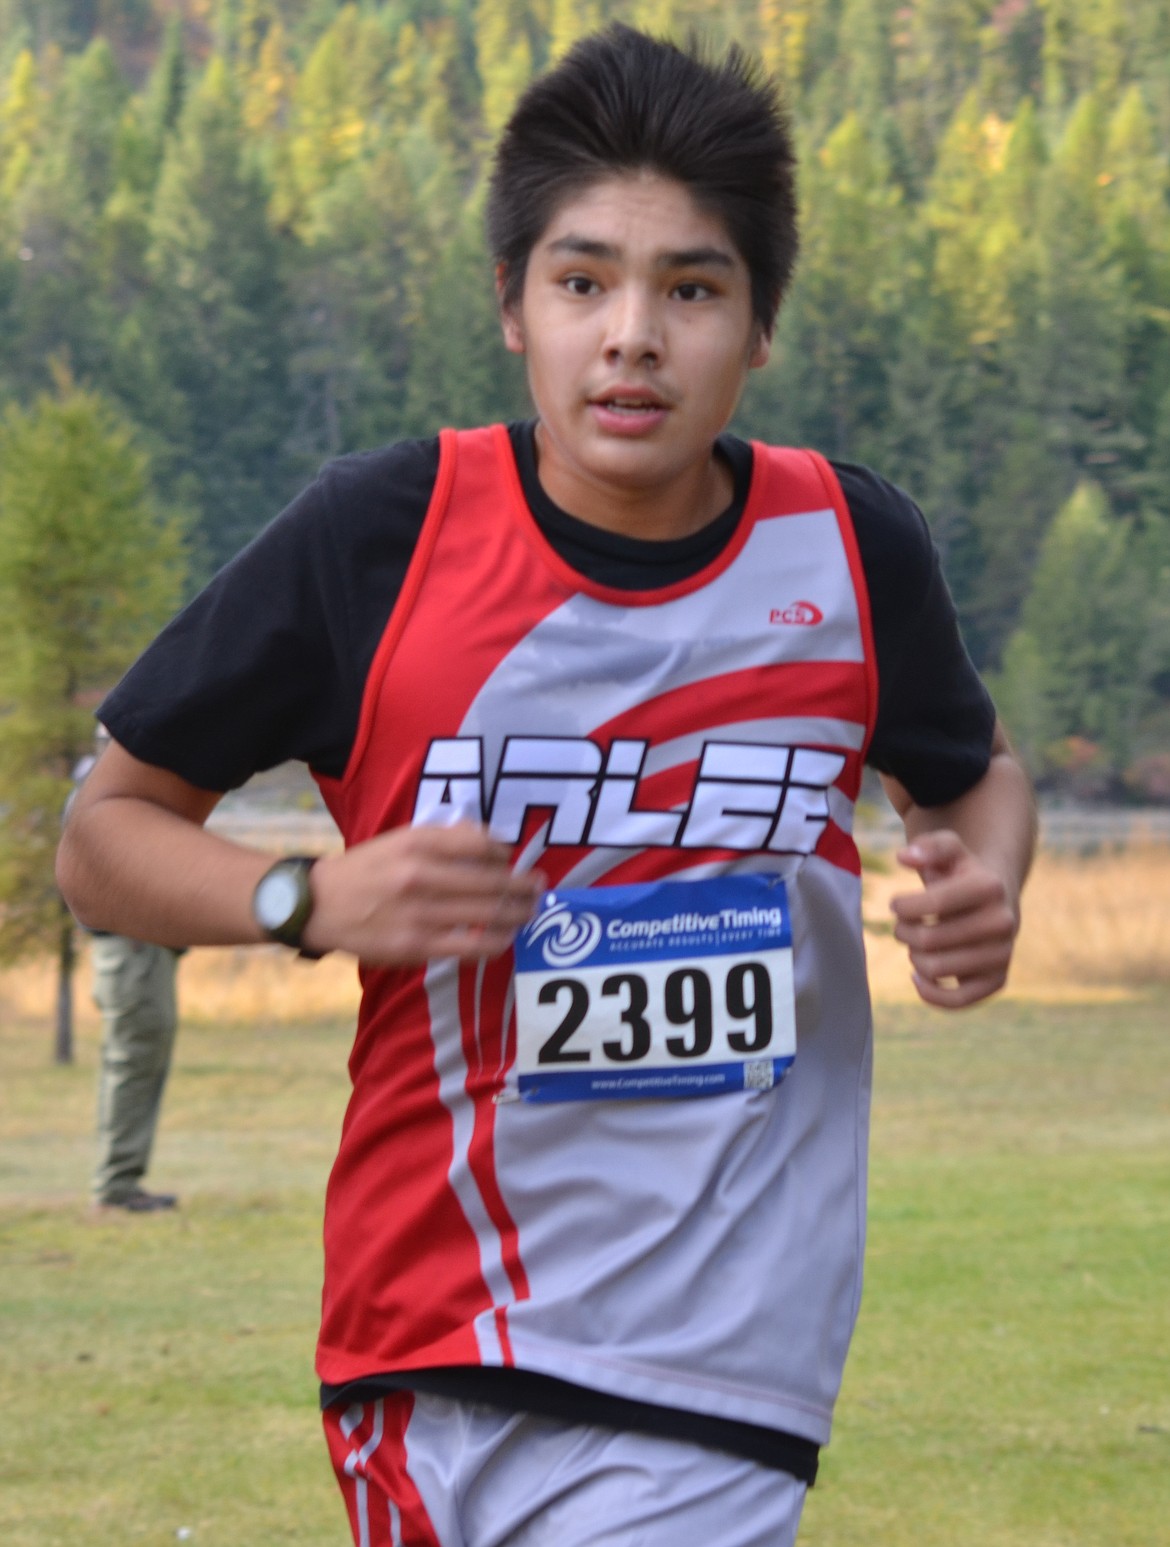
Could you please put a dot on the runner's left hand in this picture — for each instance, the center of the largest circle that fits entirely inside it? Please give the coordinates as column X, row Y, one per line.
column 960, row 928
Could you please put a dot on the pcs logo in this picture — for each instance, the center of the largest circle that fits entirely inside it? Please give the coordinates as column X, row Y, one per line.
column 566, row 938
column 806, row 613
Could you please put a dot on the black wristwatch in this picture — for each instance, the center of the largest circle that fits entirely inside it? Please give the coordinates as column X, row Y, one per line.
column 282, row 903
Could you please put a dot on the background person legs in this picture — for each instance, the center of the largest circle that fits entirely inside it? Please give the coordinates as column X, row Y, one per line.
column 134, row 988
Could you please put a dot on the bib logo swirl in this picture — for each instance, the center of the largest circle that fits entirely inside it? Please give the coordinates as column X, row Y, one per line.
column 568, row 938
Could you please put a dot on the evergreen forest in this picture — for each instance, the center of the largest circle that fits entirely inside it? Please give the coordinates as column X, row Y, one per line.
column 253, row 227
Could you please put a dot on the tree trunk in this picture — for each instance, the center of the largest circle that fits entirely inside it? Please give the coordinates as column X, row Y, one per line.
column 63, row 1051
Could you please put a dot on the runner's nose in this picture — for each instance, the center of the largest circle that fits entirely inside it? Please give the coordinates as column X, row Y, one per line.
column 633, row 332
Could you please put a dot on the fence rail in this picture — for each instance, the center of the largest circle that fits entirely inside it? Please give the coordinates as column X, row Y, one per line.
column 1065, row 829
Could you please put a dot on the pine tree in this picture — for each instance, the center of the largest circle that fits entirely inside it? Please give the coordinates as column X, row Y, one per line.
column 358, row 284
column 1014, row 474
column 269, row 87
column 1083, row 627
column 1058, row 55
column 55, row 305
column 1078, row 361
column 1023, row 702
column 168, row 85
column 334, row 111
column 970, row 249
column 1103, row 29
column 460, row 373
column 88, row 571
column 940, row 65
column 782, row 30
column 656, row 16
column 1136, row 219
column 218, row 323
column 834, row 330
column 571, row 19
column 867, row 57
column 86, row 116
column 1011, row 43
column 21, row 120
column 504, row 59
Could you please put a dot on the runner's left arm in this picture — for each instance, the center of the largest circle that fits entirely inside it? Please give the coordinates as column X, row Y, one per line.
column 973, row 855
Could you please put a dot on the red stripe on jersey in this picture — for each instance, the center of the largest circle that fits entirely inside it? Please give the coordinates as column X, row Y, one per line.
column 510, row 597
column 797, row 690
column 839, row 849
column 502, row 1334
column 396, row 1138
column 411, row 586
column 860, row 587
column 482, row 1014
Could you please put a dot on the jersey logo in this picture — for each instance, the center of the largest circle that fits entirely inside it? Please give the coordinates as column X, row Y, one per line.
column 747, row 796
column 797, row 612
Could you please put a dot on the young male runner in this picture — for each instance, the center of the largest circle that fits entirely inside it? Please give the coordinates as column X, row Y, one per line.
column 590, row 700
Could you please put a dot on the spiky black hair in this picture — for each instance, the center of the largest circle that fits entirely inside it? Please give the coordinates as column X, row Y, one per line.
column 623, row 102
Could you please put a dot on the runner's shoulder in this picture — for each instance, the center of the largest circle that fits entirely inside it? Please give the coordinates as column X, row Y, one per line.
column 389, row 484
column 897, row 551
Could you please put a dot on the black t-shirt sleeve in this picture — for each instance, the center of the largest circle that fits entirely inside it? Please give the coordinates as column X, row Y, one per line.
column 935, row 718
column 269, row 662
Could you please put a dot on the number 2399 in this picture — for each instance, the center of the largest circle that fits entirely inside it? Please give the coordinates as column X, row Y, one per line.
column 687, row 1002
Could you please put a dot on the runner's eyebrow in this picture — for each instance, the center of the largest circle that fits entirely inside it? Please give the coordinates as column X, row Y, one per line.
column 696, row 257
column 685, row 258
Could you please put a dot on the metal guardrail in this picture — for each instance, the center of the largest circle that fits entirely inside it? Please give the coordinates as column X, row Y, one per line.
column 1062, row 828
column 285, row 830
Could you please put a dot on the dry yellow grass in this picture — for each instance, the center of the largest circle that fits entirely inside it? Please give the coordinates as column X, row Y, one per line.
column 1095, row 927
column 255, row 984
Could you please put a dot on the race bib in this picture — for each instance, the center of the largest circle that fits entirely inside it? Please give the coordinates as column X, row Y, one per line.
column 676, row 988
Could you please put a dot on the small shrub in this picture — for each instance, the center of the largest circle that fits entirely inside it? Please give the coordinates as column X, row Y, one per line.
column 1148, row 778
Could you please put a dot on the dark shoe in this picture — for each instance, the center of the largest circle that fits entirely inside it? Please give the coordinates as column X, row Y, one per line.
column 140, row 1202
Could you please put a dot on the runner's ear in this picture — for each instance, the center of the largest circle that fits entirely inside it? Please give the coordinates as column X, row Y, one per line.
column 509, row 314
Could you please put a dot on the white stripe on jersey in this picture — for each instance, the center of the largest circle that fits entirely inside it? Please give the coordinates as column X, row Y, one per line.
column 441, row 981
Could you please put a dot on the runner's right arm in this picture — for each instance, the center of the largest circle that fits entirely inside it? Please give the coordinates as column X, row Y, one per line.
column 136, row 859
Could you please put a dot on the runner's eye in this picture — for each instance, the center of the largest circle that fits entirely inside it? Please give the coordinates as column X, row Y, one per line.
column 580, row 284
column 692, row 290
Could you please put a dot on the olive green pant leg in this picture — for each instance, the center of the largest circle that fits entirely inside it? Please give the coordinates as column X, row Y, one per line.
column 134, row 988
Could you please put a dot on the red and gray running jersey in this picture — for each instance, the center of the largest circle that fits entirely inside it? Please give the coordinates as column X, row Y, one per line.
column 631, row 1152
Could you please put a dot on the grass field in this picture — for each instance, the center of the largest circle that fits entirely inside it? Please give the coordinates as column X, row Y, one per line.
column 1010, row 1379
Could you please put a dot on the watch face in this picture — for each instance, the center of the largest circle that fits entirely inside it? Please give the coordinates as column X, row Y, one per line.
column 277, row 897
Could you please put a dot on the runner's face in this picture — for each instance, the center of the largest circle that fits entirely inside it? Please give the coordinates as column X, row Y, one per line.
column 637, row 327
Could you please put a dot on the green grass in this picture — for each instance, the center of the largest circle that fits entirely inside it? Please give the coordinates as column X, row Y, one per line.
column 1010, row 1379
column 1009, row 1383
column 156, row 1372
